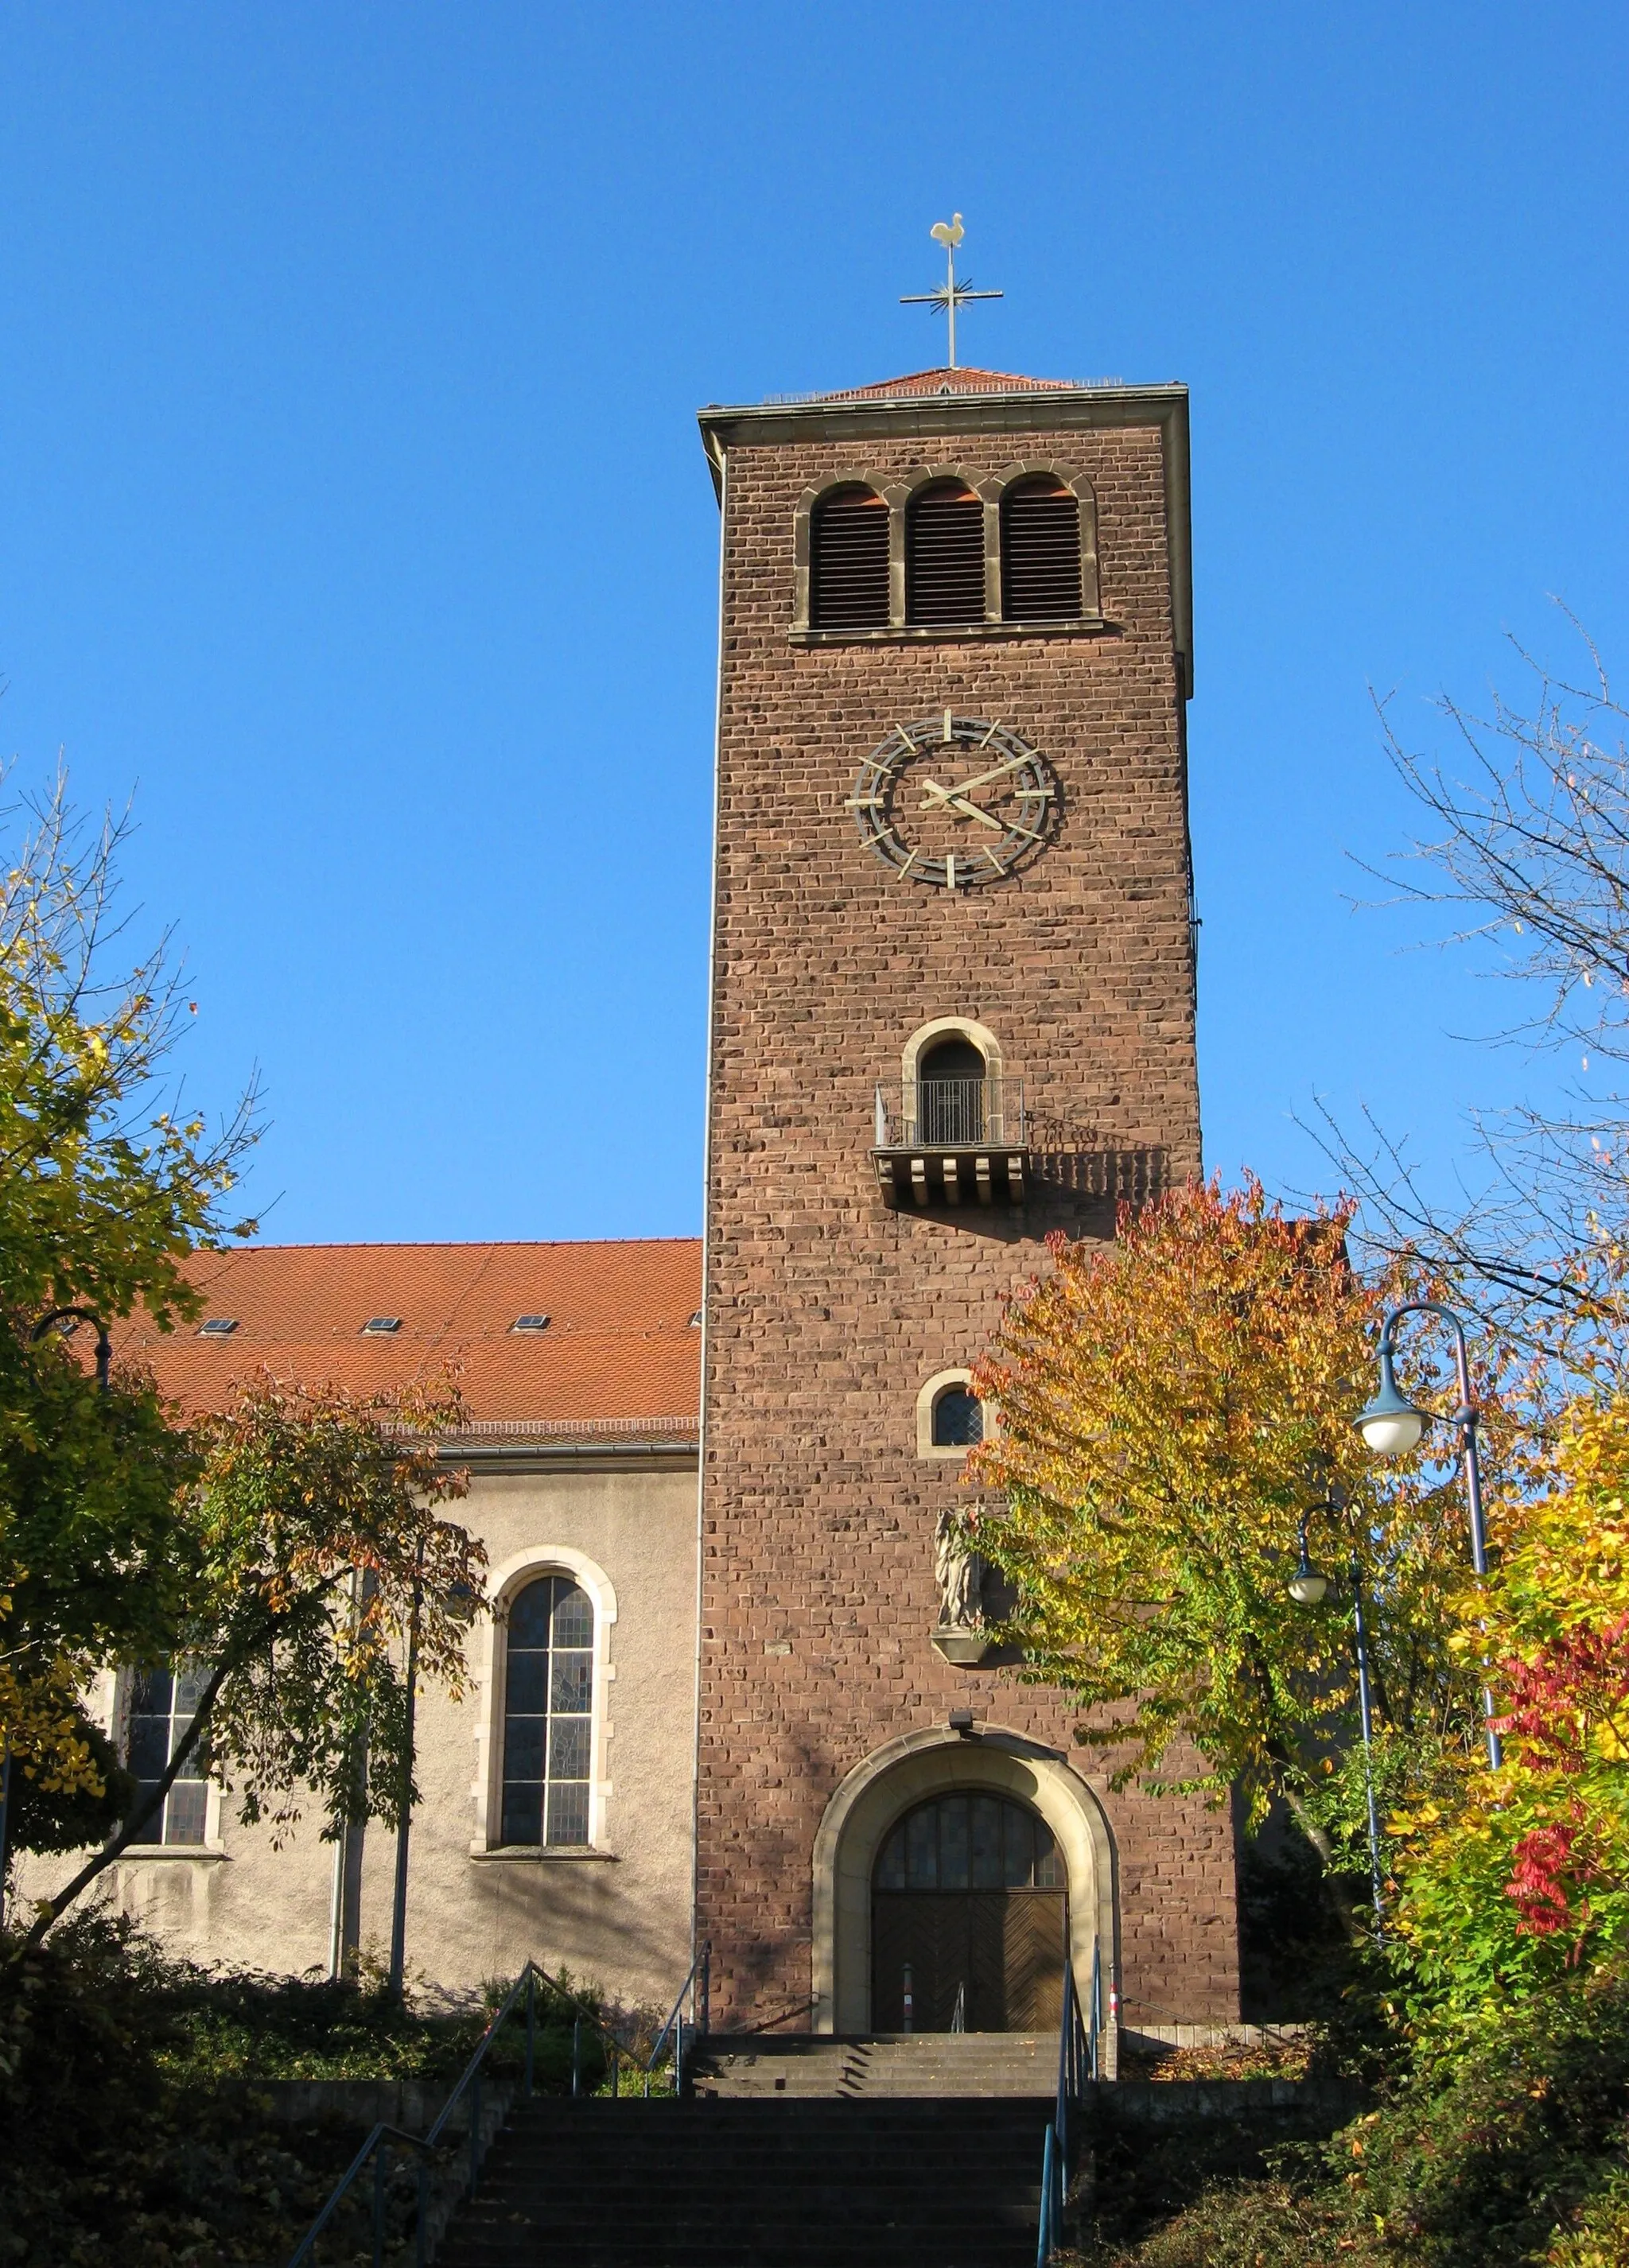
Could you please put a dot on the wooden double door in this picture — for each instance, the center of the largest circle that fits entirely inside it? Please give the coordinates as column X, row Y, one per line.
column 968, row 1903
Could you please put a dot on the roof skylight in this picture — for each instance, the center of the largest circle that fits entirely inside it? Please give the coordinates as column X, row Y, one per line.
column 218, row 1327
column 380, row 1326
column 530, row 1324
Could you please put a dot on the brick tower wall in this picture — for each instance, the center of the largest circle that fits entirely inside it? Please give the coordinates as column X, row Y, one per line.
column 826, row 1311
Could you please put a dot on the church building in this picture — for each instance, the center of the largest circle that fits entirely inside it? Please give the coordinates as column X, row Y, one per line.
column 740, row 1687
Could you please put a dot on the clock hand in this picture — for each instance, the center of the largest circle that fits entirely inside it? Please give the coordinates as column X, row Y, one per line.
column 972, row 811
column 947, row 799
column 946, row 794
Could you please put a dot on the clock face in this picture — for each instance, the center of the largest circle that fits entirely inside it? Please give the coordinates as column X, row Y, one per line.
column 954, row 801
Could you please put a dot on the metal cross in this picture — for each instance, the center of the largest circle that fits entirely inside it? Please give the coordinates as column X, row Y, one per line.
column 950, row 295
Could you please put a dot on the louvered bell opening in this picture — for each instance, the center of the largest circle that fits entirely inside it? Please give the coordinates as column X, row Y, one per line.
column 944, row 577
column 1040, row 554
column 850, row 564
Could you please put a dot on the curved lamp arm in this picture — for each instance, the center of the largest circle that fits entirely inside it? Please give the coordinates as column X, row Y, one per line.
column 103, row 1345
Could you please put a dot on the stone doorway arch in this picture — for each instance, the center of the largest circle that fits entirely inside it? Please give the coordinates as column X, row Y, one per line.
column 903, row 1772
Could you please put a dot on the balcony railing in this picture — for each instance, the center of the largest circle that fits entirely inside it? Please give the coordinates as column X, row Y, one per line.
column 950, row 1114
column 945, row 1140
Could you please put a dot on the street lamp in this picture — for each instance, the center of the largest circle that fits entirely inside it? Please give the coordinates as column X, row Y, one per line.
column 1392, row 1425
column 1308, row 1587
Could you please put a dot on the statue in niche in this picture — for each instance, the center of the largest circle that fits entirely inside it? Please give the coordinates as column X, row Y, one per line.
column 960, row 1573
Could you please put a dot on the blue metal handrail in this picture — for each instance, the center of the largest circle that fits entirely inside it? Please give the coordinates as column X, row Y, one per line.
column 699, row 1974
column 383, row 2137
column 1077, row 2065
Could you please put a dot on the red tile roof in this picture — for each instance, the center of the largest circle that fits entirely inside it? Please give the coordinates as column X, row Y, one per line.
column 619, row 1353
column 953, row 381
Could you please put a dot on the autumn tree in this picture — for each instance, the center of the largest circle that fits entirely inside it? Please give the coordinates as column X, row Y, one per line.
column 317, row 1545
column 104, row 1188
column 1170, row 1405
column 1515, row 1877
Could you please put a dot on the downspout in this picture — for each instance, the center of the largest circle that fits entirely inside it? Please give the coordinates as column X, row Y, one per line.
column 719, row 460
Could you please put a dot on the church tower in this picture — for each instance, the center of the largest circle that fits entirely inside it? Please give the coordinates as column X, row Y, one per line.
column 952, row 1011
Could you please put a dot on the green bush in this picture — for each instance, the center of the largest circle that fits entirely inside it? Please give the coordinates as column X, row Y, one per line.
column 1509, row 2149
column 123, row 2144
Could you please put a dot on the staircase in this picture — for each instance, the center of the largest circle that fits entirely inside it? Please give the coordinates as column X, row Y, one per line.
column 937, row 2064
column 900, row 2152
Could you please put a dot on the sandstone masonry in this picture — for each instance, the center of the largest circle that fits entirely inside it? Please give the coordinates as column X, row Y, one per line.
column 825, row 1309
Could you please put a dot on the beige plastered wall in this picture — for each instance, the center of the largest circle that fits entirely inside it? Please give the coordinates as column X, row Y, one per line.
column 621, row 1917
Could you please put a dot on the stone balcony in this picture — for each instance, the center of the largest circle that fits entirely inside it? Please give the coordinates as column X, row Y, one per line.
column 951, row 1142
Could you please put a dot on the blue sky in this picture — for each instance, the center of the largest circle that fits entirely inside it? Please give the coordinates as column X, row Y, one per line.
column 351, row 510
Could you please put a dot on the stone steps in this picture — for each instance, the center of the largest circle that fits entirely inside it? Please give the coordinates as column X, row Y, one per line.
column 908, row 2065
column 743, row 2182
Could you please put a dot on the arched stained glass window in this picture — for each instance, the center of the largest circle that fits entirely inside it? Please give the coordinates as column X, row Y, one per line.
column 548, row 1713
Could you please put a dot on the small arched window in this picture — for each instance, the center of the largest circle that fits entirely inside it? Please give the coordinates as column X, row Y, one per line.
column 945, row 555
column 849, row 562
column 1039, row 551
column 958, row 1419
column 548, row 1713
column 950, row 1094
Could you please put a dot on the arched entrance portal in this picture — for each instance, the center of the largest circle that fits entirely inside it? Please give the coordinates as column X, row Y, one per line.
column 968, row 1917
column 913, row 1771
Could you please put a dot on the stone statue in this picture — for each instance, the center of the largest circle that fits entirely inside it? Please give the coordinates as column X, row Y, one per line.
column 960, row 1573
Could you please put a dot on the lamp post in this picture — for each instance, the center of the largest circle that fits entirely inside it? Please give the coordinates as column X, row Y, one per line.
column 1307, row 1586
column 1392, row 1425
column 104, row 1364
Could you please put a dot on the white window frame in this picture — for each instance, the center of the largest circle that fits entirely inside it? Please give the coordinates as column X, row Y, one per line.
column 507, row 1583
column 118, row 1692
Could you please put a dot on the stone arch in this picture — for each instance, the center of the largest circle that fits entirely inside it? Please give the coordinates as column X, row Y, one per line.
column 988, row 492
column 803, row 540
column 884, row 1786
column 1026, row 468
column 920, row 1046
column 927, row 1401
column 946, row 1027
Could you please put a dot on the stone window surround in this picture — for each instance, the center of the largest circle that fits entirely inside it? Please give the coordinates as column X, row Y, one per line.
column 877, row 1793
column 954, row 1027
column 506, row 1583
column 989, row 488
column 926, row 1445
